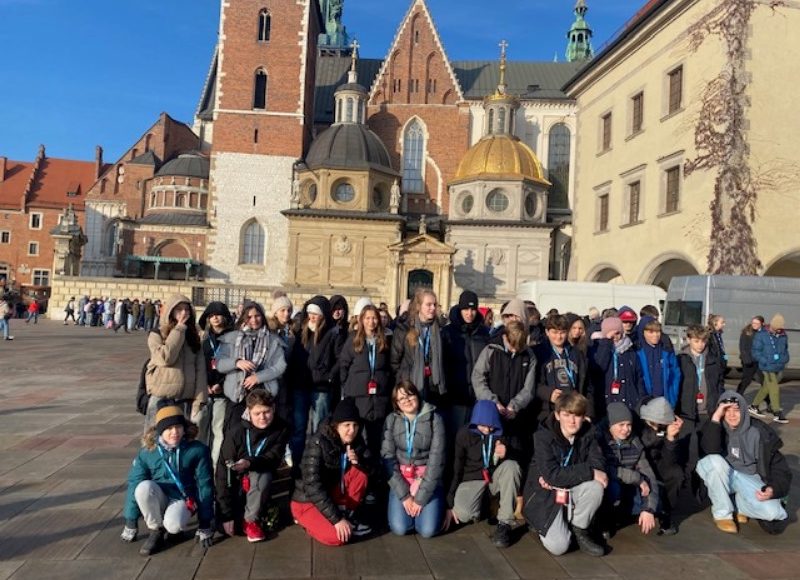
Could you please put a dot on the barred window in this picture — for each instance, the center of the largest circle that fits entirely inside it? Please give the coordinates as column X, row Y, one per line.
column 253, row 239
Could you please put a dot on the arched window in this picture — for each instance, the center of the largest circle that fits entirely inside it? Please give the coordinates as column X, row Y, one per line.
column 260, row 92
column 413, row 157
column 110, row 242
column 349, row 115
column 491, row 121
column 180, row 200
column 264, row 25
column 501, row 120
column 558, row 166
column 252, row 243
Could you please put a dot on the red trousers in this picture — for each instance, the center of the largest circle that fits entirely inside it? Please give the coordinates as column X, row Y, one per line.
column 318, row 526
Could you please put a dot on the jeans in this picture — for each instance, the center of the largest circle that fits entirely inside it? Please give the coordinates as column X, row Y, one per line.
column 307, row 402
column 427, row 524
column 722, row 480
column 4, row 326
column 34, row 316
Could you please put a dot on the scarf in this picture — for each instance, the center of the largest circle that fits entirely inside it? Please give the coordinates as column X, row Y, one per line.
column 623, row 345
column 435, row 360
column 253, row 345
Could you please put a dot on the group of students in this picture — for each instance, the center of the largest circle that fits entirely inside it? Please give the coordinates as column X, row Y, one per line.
column 113, row 313
column 432, row 416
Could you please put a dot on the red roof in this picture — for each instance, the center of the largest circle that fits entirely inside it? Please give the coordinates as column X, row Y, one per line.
column 58, row 183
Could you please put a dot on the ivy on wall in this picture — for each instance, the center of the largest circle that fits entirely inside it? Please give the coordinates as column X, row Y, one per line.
column 721, row 139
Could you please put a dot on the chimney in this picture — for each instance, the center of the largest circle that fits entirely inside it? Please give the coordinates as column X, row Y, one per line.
column 98, row 161
column 3, row 161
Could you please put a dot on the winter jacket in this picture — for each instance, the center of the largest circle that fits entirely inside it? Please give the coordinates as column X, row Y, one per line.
column 715, row 381
column 559, row 468
column 428, row 449
column 553, row 373
column 191, row 462
column 771, row 351
column 355, row 375
column 310, row 366
column 625, row 367
column 462, row 344
column 668, row 372
column 771, row 463
column 627, row 462
column 717, row 346
column 263, row 459
column 212, row 349
column 746, row 347
column 268, row 373
column 505, row 377
column 405, row 358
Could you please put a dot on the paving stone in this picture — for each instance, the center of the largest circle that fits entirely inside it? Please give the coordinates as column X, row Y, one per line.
column 286, row 555
column 108, row 569
column 14, row 499
column 112, row 469
column 47, row 463
column 10, row 460
column 389, row 553
column 9, row 567
column 172, row 568
column 530, row 560
column 706, row 566
column 465, row 554
column 76, row 494
column 227, row 559
column 580, row 565
column 772, row 565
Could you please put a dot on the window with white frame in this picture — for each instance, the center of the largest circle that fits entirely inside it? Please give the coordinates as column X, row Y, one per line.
column 35, row 222
column 605, row 132
column 33, row 248
column 634, row 202
column 602, row 212
column 41, row 277
column 674, row 90
column 637, row 113
column 672, row 177
column 252, row 243
column 5, row 237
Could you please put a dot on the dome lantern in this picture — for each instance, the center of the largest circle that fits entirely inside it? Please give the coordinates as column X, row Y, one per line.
column 351, row 98
column 500, row 107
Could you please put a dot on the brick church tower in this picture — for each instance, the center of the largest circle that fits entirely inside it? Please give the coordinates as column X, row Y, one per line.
column 256, row 115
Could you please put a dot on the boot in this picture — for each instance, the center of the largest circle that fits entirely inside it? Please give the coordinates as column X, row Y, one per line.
column 586, row 544
column 153, row 543
column 502, row 535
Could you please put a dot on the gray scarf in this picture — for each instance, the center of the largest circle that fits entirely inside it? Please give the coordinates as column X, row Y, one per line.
column 253, row 345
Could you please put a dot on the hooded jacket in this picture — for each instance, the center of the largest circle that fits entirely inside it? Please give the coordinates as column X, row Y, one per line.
column 715, row 381
column 355, row 373
column 626, row 461
column 625, row 368
column 407, row 361
column 553, row 462
column 174, row 370
column 311, row 366
column 771, row 351
column 428, row 449
column 321, row 469
column 561, row 372
column 462, row 344
column 753, row 447
column 661, row 375
column 265, row 455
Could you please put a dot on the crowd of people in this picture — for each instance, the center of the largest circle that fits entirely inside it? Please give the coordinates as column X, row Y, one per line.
column 575, row 425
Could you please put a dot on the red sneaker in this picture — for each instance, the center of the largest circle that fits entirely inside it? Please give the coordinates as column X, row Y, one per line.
column 253, row 532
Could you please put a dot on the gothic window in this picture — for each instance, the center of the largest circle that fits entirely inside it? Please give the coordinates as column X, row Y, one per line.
column 558, row 157
column 264, row 25
column 260, row 93
column 252, row 243
column 413, row 157
column 110, row 242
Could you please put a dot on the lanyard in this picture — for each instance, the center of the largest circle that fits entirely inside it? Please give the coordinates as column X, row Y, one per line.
column 701, row 367
column 258, row 449
column 174, row 477
column 567, row 367
column 772, row 341
column 411, row 429
column 344, row 468
column 371, row 347
column 616, row 366
column 214, row 347
column 568, row 457
column 425, row 342
column 486, row 451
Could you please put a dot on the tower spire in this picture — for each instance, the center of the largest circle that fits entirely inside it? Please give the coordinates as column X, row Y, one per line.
column 501, row 86
column 579, row 45
column 352, row 75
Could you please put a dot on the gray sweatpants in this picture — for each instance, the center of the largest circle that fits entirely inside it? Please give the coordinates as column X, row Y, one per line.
column 505, row 481
column 160, row 511
column 586, row 499
column 258, row 495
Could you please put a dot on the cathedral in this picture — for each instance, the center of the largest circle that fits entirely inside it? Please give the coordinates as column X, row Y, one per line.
column 312, row 168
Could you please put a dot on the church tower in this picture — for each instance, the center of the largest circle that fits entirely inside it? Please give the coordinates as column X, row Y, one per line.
column 579, row 46
column 257, row 116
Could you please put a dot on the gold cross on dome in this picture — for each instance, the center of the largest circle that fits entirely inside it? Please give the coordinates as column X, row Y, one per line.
column 354, row 56
column 503, row 46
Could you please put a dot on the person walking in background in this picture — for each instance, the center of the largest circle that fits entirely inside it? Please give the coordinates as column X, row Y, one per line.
column 771, row 352
column 716, row 326
column 749, row 364
column 33, row 312
column 6, row 312
column 70, row 311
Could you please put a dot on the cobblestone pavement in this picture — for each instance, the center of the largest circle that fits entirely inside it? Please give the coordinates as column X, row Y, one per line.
column 68, row 432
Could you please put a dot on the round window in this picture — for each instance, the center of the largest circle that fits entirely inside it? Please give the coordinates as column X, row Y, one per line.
column 312, row 193
column 530, row 204
column 377, row 198
column 467, row 203
column 344, row 193
column 497, row 201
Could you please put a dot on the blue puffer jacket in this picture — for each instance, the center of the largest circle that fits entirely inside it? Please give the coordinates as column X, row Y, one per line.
column 771, row 351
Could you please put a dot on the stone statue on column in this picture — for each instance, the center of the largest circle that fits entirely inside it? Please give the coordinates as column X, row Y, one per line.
column 394, row 198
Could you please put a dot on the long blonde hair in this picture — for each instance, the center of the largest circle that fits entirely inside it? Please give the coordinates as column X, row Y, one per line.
column 413, row 314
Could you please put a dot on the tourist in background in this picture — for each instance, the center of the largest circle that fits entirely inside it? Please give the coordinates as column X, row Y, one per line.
column 749, row 364
column 771, row 351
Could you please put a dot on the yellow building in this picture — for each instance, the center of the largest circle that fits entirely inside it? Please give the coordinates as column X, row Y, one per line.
column 687, row 158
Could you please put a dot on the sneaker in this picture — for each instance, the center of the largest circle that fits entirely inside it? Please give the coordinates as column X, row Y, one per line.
column 586, row 544
column 253, row 531
column 9, row 338
column 780, row 418
column 756, row 412
column 359, row 529
column 152, row 544
column 728, row 526
column 741, row 519
column 774, row 527
column 502, row 536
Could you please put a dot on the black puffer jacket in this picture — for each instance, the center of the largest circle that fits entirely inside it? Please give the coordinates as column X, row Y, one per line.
column 551, row 450
column 462, row 344
column 311, row 366
column 354, row 373
column 321, row 469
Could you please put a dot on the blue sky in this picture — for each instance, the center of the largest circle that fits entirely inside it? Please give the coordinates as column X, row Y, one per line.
column 78, row 73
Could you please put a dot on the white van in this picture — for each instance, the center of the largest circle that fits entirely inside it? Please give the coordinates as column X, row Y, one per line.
column 578, row 297
column 690, row 299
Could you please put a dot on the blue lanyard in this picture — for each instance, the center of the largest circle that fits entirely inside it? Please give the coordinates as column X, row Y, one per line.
column 567, row 367
column 411, row 429
column 371, row 347
column 344, row 468
column 425, row 342
column 616, row 366
column 174, row 477
column 701, row 368
column 258, row 449
column 568, row 457
column 214, row 347
column 486, row 451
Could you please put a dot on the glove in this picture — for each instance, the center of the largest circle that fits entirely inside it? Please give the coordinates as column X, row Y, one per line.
column 128, row 534
column 205, row 537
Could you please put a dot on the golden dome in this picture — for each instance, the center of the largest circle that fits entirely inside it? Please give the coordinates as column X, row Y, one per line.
column 500, row 157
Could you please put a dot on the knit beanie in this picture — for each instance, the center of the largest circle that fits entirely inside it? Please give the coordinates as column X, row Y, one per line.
column 167, row 415
column 346, row 410
column 617, row 413
column 468, row 299
column 279, row 303
column 658, row 411
column 612, row 324
column 362, row 303
column 777, row 322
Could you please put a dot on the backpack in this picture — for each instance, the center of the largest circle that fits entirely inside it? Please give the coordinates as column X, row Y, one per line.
column 142, row 398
